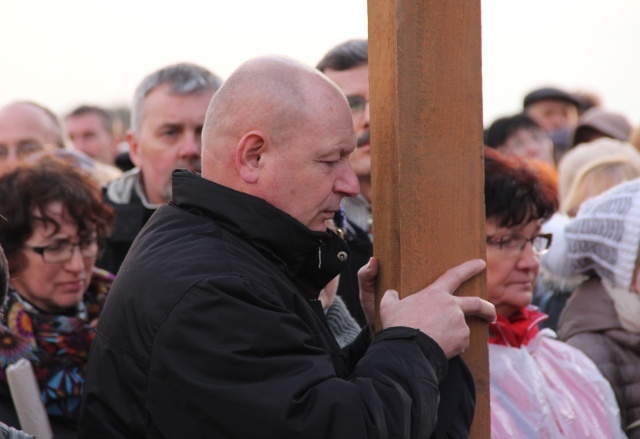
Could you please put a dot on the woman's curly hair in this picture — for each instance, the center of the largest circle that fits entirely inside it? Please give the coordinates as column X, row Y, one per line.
column 27, row 191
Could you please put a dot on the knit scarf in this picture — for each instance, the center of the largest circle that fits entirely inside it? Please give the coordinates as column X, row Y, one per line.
column 627, row 305
column 56, row 345
column 518, row 330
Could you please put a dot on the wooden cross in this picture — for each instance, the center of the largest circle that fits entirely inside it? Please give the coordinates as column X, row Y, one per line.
column 427, row 156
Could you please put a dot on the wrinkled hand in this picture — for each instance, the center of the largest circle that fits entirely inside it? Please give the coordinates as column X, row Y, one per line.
column 367, row 276
column 437, row 312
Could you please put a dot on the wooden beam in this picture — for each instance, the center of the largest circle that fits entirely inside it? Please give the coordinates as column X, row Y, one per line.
column 426, row 133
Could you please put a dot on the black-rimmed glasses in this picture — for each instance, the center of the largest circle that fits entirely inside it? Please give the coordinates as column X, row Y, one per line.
column 62, row 251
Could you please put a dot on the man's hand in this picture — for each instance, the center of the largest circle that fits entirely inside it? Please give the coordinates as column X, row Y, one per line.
column 367, row 276
column 436, row 311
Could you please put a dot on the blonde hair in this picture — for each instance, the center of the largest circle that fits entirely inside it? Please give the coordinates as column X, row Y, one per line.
column 597, row 176
column 578, row 157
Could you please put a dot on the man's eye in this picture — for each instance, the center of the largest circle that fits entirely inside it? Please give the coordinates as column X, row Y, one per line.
column 330, row 163
column 29, row 148
column 356, row 102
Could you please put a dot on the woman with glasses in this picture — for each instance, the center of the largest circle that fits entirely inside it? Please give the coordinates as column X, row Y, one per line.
column 53, row 220
column 516, row 203
column 540, row 387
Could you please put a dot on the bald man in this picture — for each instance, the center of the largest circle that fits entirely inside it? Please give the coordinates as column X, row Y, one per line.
column 213, row 327
column 26, row 128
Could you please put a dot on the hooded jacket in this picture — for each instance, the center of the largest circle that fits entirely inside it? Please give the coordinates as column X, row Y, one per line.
column 132, row 211
column 213, row 327
column 589, row 322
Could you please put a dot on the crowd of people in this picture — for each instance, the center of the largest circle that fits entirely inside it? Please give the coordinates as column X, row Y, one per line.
column 206, row 268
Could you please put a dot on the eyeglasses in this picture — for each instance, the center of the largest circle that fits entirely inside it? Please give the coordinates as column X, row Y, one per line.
column 62, row 251
column 357, row 103
column 514, row 244
column 22, row 150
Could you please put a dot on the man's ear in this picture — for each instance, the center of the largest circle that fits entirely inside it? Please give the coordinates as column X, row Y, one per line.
column 134, row 148
column 250, row 149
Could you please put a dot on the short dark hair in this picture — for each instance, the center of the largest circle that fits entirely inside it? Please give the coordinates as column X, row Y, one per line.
column 345, row 56
column 514, row 192
column 105, row 115
column 32, row 186
column 501, row 129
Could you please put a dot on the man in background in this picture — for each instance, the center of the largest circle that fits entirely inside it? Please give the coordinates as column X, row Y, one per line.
column 167, row 116
column 26, row 128
column 91, row 130
column 557, row 112
column 348, row 66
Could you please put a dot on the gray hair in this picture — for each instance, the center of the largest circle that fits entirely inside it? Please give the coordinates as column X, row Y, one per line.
column 183, row 78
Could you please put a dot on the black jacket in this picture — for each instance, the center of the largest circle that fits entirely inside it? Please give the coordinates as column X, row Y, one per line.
column 361, row 250
column 213, row 329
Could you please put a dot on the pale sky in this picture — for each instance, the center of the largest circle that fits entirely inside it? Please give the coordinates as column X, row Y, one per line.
column 64, row 53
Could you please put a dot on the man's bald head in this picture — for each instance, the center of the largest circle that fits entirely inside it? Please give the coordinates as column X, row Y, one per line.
column 281, row 131
column 274, row 95
column 25, row 128
column 40, row 117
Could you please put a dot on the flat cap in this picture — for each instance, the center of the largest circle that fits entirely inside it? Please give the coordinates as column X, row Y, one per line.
column 550, row 93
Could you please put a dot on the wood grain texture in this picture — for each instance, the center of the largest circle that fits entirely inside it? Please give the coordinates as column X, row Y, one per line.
column 426, row 135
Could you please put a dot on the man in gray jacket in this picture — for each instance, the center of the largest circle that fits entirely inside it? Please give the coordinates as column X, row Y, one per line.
column 167, row 116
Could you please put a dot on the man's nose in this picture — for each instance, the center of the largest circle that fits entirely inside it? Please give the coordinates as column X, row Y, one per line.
column 348, row 184
column 365, row 115
column 191, row 145
column 11, row 159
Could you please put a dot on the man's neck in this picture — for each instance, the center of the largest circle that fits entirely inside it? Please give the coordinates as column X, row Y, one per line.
column 144, row 197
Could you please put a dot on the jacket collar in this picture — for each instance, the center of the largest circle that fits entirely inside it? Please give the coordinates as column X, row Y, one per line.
column 518, row 330
column 310, row 259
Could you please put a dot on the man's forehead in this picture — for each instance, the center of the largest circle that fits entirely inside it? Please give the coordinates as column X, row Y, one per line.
column 23, row 114
column 84, row 117
column 350, row 81
column 21, row 124
column 156, row 103
column 86, row 120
